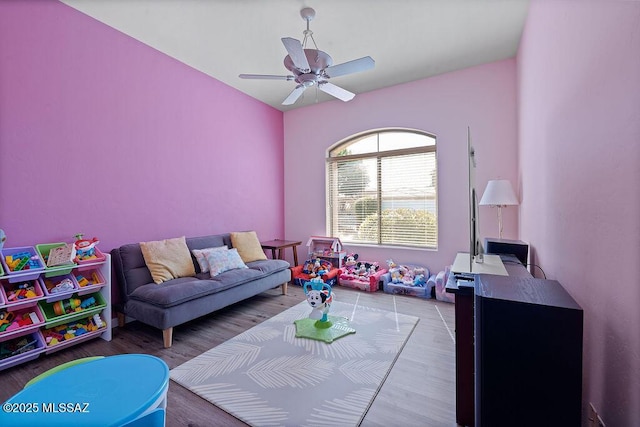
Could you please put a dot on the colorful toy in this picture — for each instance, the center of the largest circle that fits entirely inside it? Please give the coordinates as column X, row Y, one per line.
column 23, row 290
column 21, row 261
column 98, row 321
column 65, row 285
column 82, row 281
column 316, row 268
column 16, row 346
column 66, row 306
column 85, row 248
column 59, row 334
column 319, row 325
column 319, row 297
column 91, row 301
column 9, row 322
column 6, row 319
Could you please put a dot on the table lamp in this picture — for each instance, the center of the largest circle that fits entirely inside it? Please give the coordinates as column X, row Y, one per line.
column 499, row 193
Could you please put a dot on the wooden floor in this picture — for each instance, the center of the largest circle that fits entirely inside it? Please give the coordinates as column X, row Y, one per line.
column 419, row 391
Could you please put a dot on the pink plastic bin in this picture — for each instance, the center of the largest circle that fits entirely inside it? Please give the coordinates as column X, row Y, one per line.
column 89, row 275
column 13, row 304
column 100, row 257
column 17, row 331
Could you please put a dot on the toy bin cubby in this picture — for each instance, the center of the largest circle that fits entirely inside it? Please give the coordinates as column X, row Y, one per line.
column 38, row 302
column 72, row 320
column 67, row 310
column 44, row 249
column 24, row 293
column 89, row 279
column 21, row 263
column 58, row 287
column 21, row 349
column 97, row 256
column 19, row 322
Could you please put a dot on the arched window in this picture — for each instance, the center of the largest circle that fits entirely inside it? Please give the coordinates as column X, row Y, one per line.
column 382, row 189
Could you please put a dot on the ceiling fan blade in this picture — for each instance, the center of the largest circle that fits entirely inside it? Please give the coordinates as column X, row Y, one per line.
column 296, row 53
column 336, row 91
column 265, row 77
column 294, row 95
column 355, row 66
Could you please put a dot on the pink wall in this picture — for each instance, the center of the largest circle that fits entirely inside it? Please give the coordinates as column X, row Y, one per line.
column 482, row 97
column 104, row 135
column 579, row 133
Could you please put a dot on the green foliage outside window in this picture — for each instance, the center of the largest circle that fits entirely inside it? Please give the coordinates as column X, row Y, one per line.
column 365, row 207
column 395, row 222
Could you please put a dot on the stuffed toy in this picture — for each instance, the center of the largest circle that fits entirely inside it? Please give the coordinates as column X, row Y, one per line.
column 407, row 280
column 350, row 260
column 361, row 268
column 316, row 267
column 373, row 268
column 308, row 267
column 396, row 277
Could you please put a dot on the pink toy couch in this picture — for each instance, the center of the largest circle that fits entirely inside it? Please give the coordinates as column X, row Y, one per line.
column 364, row 279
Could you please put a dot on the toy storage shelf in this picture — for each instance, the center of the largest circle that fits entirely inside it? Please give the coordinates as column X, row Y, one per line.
column 12, row 349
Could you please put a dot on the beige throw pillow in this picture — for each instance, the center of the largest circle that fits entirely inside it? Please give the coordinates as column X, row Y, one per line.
column 248, row 246
column 168, row 259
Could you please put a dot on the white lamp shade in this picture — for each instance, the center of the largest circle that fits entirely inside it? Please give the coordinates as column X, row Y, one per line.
column 499, row 192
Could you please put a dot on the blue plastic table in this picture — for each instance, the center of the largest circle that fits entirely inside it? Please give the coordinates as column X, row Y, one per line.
column 112, row 391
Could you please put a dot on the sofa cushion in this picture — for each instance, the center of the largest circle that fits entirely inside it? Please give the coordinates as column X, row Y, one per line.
column 248, row 246
column 269, row 266
column 181, row 290
column 167, row 259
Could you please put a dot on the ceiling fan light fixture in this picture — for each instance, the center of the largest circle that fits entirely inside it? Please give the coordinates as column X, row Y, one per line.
column 308, row 14
column 313, row 67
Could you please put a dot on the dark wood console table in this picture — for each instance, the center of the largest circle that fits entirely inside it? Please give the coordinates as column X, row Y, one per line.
column 465, row 349
column 518, row 347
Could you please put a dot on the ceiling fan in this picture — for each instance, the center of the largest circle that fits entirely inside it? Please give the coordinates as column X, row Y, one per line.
column 313, row 67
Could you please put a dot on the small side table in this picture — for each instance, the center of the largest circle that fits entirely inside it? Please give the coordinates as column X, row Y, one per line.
column 280, row 245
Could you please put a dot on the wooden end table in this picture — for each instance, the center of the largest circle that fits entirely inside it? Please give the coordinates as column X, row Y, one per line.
column 280, row 244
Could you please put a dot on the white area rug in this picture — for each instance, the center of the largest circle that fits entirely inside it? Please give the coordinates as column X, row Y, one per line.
column 268, row 377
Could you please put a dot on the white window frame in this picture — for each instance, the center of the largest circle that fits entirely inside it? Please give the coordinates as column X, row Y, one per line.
column 430, row 238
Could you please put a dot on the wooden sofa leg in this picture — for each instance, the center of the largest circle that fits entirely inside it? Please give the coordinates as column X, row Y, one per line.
column 284, row 288
column 121, row 320
column 167, row 337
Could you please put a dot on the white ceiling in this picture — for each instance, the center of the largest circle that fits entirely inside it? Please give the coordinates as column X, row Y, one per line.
column 408, row 39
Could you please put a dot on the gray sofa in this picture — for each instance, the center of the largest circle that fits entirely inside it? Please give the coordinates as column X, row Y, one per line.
column 179, row 300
